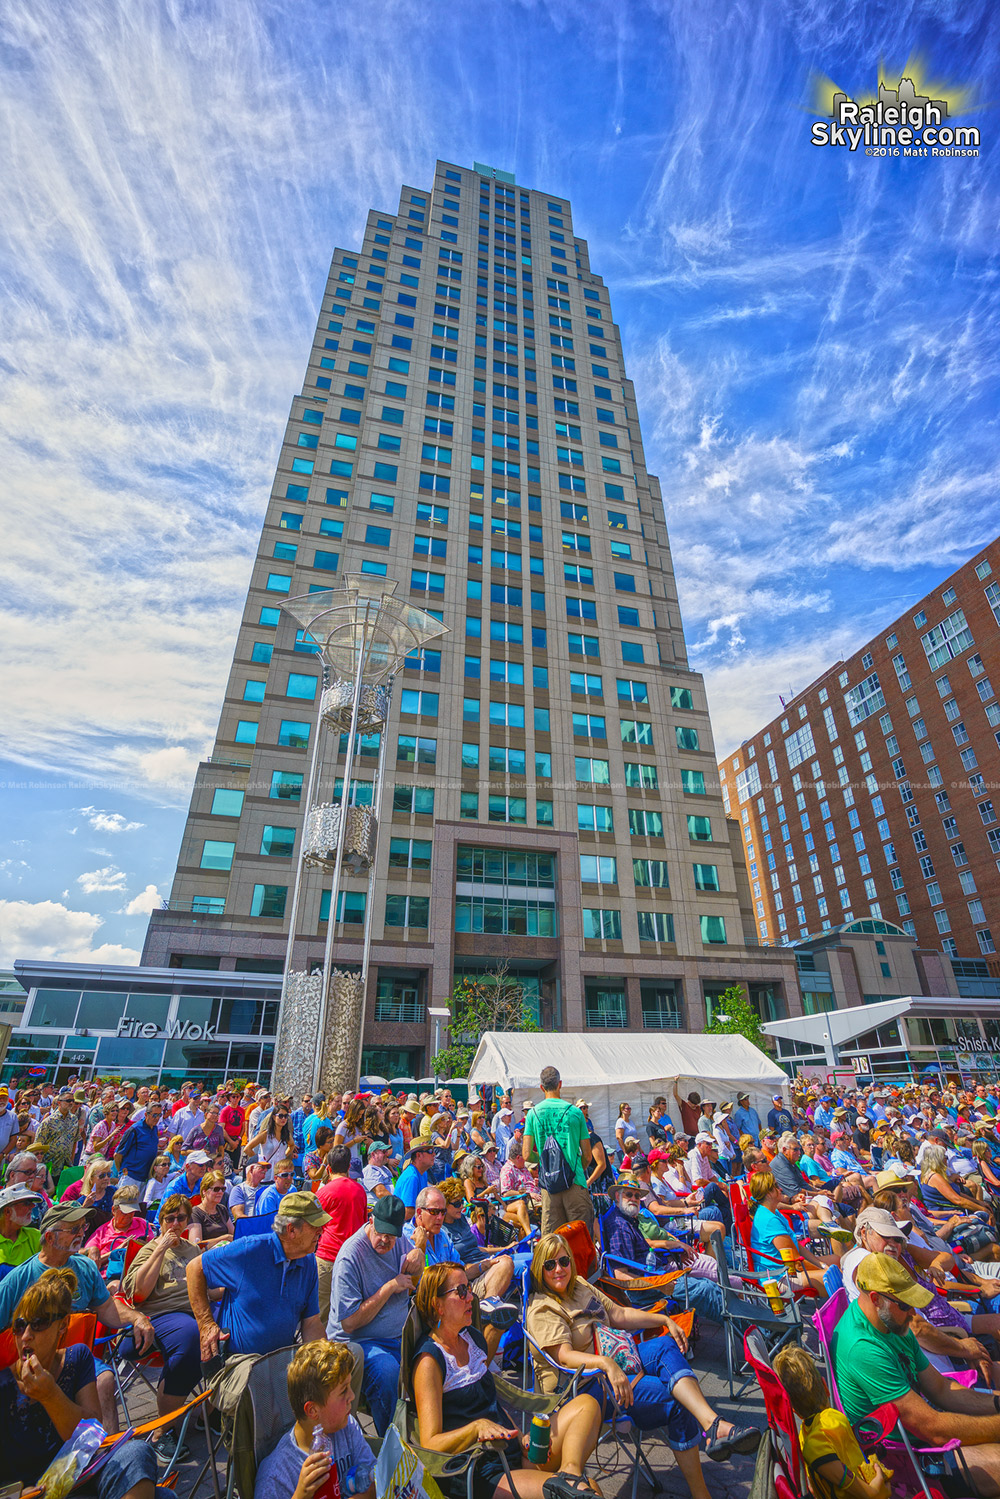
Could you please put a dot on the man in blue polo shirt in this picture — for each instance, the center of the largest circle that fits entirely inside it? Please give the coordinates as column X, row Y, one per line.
column 270, row 1284
column 139, row 1147
column 413, row 1178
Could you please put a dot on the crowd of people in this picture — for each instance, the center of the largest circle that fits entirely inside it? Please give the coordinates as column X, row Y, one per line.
column 127, row 1202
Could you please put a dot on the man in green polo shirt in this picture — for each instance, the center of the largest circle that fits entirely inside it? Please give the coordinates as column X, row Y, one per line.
column 18, row 1240
column 565, row 1122
column 877, row 1359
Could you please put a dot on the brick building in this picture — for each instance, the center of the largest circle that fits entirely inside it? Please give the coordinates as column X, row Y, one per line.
column 876, row 792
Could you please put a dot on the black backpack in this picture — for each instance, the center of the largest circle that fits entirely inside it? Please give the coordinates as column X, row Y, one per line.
column 555, row 1174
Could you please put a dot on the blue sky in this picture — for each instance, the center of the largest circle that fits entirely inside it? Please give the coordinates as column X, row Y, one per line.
column 813, row 336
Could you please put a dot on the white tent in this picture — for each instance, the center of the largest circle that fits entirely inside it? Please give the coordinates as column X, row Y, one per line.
column 627, row 1067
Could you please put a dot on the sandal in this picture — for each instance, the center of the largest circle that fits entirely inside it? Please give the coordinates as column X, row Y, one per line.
column 719, row 1449
column 566, row 1486
column 745, row 1439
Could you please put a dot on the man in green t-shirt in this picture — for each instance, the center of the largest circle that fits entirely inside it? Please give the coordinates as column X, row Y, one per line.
column 877, row 1359
column 18, row 1240
column 566, row 1124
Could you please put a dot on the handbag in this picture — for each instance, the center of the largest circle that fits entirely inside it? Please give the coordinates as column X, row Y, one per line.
column 613, row 1343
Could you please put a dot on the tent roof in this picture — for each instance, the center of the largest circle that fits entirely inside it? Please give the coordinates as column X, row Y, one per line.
column 584, row 1059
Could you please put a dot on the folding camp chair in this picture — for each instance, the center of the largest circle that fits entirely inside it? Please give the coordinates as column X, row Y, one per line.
column 262, row 1415
column 260, row 1223
column 875, row 1430
column 520, row 1404
column 776, row 1269
column 782, row 1426
column 746, row 1304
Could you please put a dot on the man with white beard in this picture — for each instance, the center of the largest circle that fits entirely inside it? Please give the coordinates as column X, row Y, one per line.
column 623, row 1239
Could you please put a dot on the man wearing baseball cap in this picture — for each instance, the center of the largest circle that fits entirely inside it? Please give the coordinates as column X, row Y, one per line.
column 270, row 1284
column 877, row 1359
column 188, row 1179
column 779, row 1118
column 18, row 1240
column 373, row 1277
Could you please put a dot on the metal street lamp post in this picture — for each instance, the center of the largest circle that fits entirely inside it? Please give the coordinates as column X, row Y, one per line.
column 363, row 634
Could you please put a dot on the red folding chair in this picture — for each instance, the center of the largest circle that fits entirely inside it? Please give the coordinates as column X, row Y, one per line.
column 757, row 1263
column 782, row 1426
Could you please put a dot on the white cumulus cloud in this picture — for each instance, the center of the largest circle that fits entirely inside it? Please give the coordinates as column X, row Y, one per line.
column 48, row 929
column 96, row 881
column 147, row 900
column 110, row 822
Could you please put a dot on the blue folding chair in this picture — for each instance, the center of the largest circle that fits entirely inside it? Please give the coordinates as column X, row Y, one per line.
column 260, row 1223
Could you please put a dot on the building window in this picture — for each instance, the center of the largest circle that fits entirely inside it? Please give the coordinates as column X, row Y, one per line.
column 655, row 926
column 268, row 900
column 713, row 929
column 217, row 854
column 277, row 842
column 605, row 1009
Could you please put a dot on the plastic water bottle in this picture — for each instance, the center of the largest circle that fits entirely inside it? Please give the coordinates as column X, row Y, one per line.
column 330, row 1488
column 651, row 1262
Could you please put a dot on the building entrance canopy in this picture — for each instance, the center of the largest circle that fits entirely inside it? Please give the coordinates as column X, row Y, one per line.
column 828, row 1032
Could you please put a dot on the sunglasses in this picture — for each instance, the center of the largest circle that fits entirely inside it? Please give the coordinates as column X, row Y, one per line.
column 463, row 1292
column 37, row 1324
column 281, row 1116
column 174, row 1218
column 563, row 1263
column 435, row 1212
column 896, row 1301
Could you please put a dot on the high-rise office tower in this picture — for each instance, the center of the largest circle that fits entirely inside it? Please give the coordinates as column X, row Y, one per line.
column 466, row 427
column 873, row 793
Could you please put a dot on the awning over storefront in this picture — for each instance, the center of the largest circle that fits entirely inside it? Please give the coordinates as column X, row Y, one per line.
column 836, row 1028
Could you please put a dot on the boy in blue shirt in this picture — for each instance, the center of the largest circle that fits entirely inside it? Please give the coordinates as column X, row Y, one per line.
column 320, row 1394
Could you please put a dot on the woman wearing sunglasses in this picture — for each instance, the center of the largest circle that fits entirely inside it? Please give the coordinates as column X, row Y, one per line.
column 96, row 1191
column 457, row 1403
column 50, row 1389
column 274, row 1140
column 563, row 1312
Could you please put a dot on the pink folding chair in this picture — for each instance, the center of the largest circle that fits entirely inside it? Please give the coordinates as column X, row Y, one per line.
column 874, row 1432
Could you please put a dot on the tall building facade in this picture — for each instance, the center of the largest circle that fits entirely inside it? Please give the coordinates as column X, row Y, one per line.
column 874, row 793
column 466, row 428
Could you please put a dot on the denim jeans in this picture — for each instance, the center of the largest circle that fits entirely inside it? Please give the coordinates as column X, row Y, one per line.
column 380, row 1380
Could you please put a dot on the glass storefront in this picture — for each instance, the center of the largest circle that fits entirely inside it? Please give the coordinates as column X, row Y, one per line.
column 146, row 1035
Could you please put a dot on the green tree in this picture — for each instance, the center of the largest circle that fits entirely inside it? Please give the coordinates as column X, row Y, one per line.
column 493, row 1001
column 741, row 1019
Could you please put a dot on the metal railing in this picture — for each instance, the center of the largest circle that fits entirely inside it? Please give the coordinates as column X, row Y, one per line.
column 400, row 1011
column 606, row 1020
column 659, row 1018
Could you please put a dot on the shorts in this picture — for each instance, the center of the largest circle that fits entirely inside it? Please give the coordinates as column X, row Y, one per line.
column 489, row 1472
